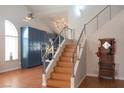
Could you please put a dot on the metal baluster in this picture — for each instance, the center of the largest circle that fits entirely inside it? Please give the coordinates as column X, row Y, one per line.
column 97, row 22
column 73, row 63
column 52, row 51
column 65, row 33
column 73, row 34
column 78, row 49
column 43, row 60
column 110, row 12
column 85, row 30
column 59, row 40
column 44, row 65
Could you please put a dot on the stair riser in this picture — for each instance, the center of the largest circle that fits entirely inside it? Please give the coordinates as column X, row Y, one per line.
column 60, row 77
column 70, row 46
column 55, row 83
column 65, row 64
column 67, row 54
column 69, row 50
column 65, row 59
column 60, row 70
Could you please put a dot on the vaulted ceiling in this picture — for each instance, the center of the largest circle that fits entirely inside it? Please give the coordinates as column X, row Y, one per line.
column 47, row 13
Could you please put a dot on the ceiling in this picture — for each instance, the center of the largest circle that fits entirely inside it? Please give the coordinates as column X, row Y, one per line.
column 47, row 13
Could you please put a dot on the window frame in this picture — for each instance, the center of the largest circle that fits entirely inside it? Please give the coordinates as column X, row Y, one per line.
column 11, row 36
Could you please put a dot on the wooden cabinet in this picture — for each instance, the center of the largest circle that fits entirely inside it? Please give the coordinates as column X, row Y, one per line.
column 106, row 53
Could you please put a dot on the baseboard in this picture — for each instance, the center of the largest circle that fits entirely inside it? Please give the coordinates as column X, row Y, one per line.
column 95, row 75
column 119, row 78
column 10, row 69
column 80, row 81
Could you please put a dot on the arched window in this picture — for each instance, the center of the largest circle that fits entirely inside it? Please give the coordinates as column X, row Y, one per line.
column 11, row 41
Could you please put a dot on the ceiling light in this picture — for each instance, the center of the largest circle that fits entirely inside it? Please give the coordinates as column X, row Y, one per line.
column 78, row 9
column 81, row 7
column 28, row 17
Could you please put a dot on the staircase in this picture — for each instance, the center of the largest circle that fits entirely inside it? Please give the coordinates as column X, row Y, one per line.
column 60, row 77
column 68, row 66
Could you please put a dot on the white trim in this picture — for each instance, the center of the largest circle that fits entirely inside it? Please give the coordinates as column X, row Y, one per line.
column 95, row 75
column 10, row 69
column 11, row 36
column 80, row 54
column 76, row 86
column 119, row 78
column 81, row 81
column 57, row 54
column 52, row 64
column 76, row 67
column 72, row 82
column 44, row 80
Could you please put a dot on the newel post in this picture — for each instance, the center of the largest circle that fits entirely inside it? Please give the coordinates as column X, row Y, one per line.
column 44, row 80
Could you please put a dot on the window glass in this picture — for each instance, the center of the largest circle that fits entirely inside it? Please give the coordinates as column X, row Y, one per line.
column 11, row 41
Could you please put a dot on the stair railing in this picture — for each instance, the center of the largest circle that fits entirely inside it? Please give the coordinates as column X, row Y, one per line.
column 55, row 45
column 75, row 56
column 83, row 35
column 81, row 40
column 97, row 16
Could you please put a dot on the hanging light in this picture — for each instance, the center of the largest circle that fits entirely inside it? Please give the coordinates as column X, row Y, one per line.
column 28, row 17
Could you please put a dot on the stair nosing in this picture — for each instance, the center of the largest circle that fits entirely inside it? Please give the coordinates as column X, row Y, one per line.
column 65, row 81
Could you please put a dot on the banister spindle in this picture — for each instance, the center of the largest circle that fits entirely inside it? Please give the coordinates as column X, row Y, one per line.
column 110, row 12
column 71, row 34
column 97, row 22
column 65, row 32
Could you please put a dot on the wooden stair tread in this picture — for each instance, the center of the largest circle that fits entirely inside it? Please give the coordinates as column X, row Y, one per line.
column 70, row 45
column 58, row 83
column 67, row 47
column 63, row 69
column 67, row 74
column 69, row 50
column 65, row 61
column 67, row 54
column 64, row 64
column 60, row 76
column 65, row 58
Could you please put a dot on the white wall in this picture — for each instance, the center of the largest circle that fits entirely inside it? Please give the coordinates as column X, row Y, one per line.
column 77, row 22
column 15, row 14
column 112, row 29
column 81, row 68
column 74, row 21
